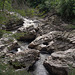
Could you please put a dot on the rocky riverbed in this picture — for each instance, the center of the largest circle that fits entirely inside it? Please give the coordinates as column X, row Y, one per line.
column 47, row 46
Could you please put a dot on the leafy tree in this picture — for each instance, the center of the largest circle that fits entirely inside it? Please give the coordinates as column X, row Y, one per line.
column 65, row 8
column 3, row 3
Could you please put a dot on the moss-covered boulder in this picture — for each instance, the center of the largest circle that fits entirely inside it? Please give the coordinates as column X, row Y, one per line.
column 13, row 24
column 24, row 59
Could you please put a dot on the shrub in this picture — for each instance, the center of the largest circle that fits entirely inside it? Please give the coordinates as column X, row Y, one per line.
column 65, row 8
column 18, row 35
column 5, row 69
column 4, row 32
column 1, row 33
column 72, row 70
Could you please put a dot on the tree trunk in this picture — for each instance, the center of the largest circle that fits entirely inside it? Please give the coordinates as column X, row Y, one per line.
column 3, row 5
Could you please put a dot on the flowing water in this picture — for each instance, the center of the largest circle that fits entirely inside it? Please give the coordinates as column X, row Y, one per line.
column 27, row 22
column 39, row 68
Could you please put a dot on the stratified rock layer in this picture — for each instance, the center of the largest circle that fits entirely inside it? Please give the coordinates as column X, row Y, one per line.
column 54, row 41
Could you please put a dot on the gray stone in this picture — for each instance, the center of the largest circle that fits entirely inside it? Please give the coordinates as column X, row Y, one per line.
column 59, row 62
column 24, row 59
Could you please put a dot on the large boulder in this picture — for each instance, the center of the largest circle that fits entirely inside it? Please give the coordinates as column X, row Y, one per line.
column 23, row 59
column 45, row 38
column 52, row 23
column 29, row 33
column 61, row 62
column 54, row 41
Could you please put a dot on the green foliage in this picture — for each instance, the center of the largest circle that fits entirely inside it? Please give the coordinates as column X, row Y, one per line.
column 18, row 35
column 5, row 69
column 3, row 32
column 4, row 4
column 2, row 17
column 18, row 64
column 71, row 71
column 1, row 4
column 5, row 17
column 34, row 3
column 71, row 26
column 30, row 12
column 66, row 8
column 8, row 5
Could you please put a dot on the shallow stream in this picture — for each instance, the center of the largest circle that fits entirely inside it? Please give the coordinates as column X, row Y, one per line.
column 38, row 67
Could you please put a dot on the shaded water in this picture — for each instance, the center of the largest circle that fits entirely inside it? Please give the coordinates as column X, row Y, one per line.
column 39, row 67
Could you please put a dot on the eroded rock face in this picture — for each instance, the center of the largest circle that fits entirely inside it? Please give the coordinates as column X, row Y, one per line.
column 7, row 44
column 59, row 62
column 54, row 41
column 52, row 23
column 12, row 52
column 30, row 33
column 24, row 59
column 45, row 38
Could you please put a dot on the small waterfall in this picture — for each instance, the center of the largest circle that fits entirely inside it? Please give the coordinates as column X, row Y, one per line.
column 27, row 22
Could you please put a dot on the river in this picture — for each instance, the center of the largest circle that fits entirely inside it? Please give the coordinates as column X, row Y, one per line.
column 39, row 68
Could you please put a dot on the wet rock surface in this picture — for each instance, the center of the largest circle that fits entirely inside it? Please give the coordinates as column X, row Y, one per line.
column 59, row 62
column 24, row 59
column 54, row 41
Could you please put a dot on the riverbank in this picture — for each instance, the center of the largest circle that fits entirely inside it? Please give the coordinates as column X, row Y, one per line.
column 50, row 36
